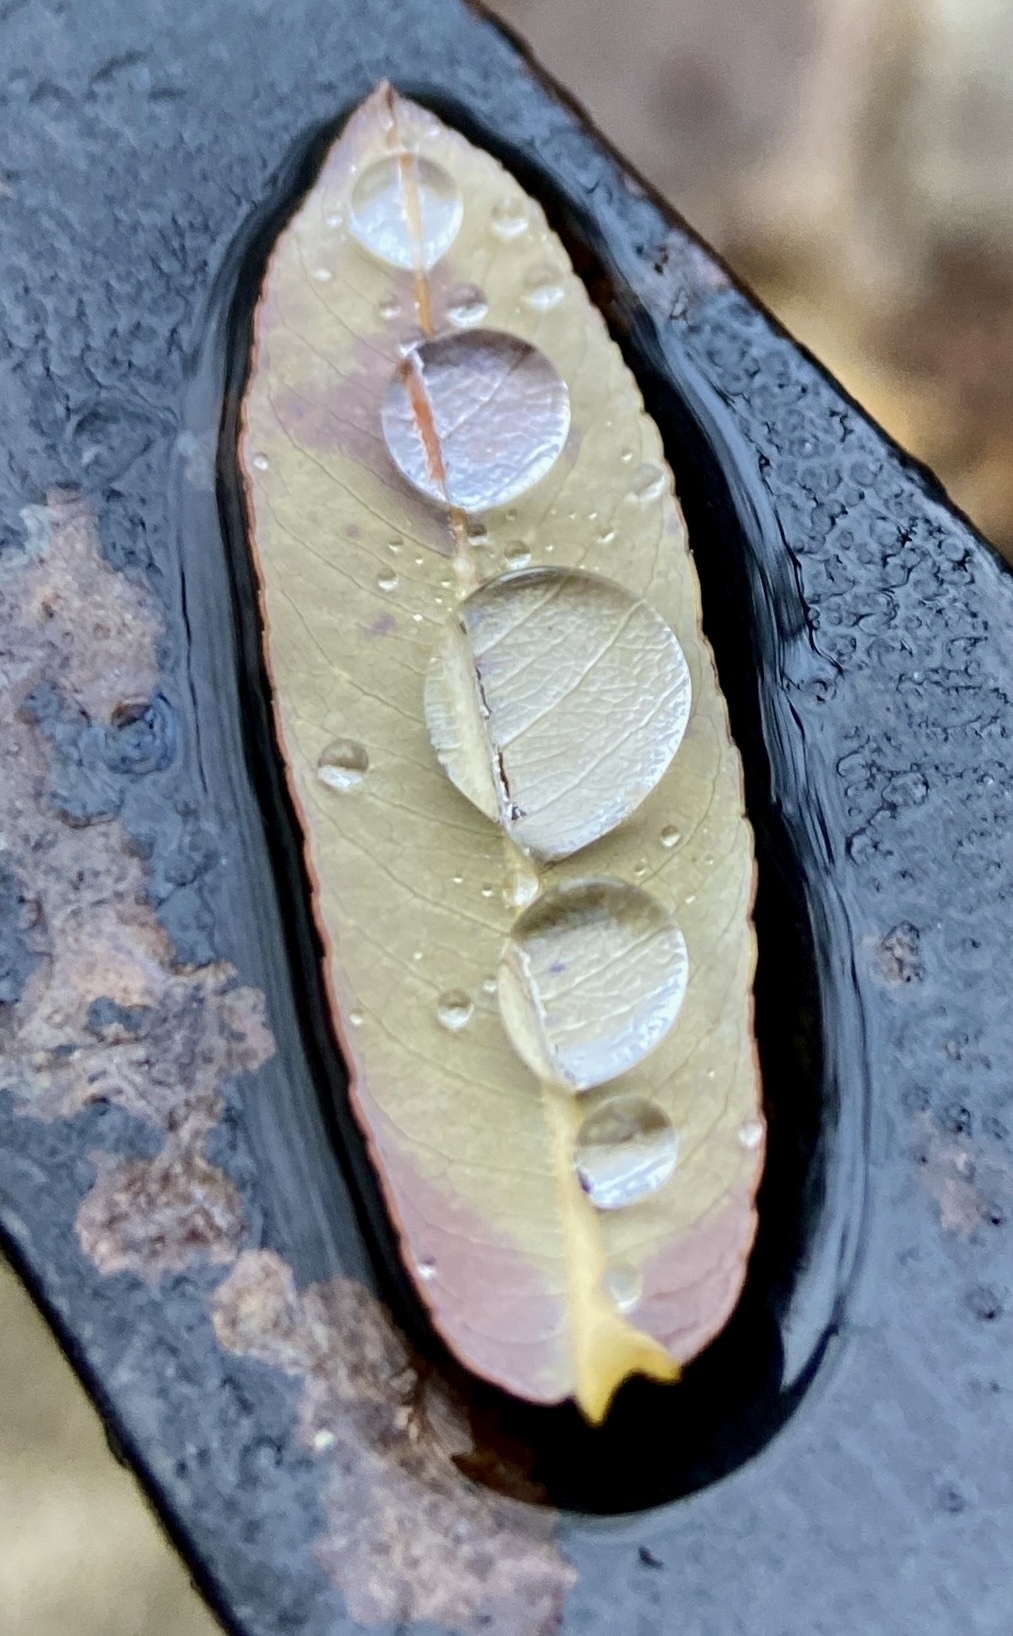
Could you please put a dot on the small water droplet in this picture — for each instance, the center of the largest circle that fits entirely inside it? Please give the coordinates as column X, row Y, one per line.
column 670, row 836
column 477, row 532
column 488, row 891
column 467, row 305
column 406, row 210
column 457, row 880
column 606, row 536
column 323, row 1439
column 343, row 764
column 543, row 288
column 489, row 985
column 690, row 898
column 510, row 217
column 355, row 1018
column 323, row 274
column 418, row 561
column 417, row 618
column 751, row 1133
column 394, row 547
column 261, row 462
column 426, row 1270
column 517, row 555
column 626, row 1149
column 511, row 514
column 648, row 482
column 417, row 954
column 625, row 1286
column 626, row 456
column 387, row 580
column 390, row 308
column 591, row 979
column 499, row 408
column 454, row 1009
column 640, row 867
column 334, row 218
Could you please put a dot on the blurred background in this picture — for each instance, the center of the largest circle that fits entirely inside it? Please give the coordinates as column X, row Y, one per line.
column 853, row 161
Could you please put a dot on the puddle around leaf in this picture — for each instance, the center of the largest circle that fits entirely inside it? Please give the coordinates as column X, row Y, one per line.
column 625, row 1150
column 591, row 979
column 406, row 211
column 555, row 702
column 476, row 418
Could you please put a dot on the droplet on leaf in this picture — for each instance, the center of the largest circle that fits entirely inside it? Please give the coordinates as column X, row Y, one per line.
column 543, row 288
column 648, row 482
column 751, row 1133
column 466, row 305
column 343, row 764
column 625, row 1150
column 591, row 979
column 624, row 1285
column 555, row 702
column 517, row 555
column 387, row 580
column 510, row 218
column 670, row 836
column 454, row 1009
column 406, row 211
column 475, row 419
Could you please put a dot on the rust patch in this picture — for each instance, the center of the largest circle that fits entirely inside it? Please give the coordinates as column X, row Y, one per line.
column 967, row 1190
column 409, row 1538
column 104, row 1012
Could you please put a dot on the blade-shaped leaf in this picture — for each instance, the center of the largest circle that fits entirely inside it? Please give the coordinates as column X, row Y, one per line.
column 562, row 1239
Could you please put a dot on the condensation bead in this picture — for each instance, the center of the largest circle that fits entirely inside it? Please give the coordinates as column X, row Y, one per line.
column 591, row 979
column 625, row 1150
column 406, row 211
column 343, row 764
column 474, row 419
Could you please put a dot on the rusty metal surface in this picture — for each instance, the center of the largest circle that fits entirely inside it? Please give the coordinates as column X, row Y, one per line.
column 168, row 1180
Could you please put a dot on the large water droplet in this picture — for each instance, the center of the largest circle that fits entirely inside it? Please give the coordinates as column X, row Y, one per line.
column 670, row 836
column 624, row 1285
column 454, row 1009
column 555, row 702
column 387, row 580
column 467, row 305
column 406, row 211
column 475, row 419
column 625, row 1150
column 343, row 764
column 591, row 979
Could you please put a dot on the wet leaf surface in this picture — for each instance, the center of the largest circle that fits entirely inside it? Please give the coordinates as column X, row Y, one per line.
column 603, row 710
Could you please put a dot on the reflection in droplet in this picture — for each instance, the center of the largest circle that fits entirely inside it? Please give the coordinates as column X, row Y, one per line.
column 387, row 580
column 648, row 482
column 510, row 218
column 406, row 211
column 751, row 1133
column 591, row 979
column 670, row 836
column 555, row 702
column 466, row 305
column 517, row 555
column 626, row 1149
column 624, row 1285
column 454, row 1009
column 343, row 764
column 261, row 462
column 476, row 418
column 543, row 288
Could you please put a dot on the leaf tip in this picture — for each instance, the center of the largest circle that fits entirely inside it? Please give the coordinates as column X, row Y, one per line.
column 621, row 1351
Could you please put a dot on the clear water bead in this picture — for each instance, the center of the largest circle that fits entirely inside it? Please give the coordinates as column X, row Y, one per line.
column 648, row 482
column 670, row 836
column 625, row 1150
column 517, row 555
column 475, row 418
column 343, row 764
column 406, row 211
column 261, row 462
column 510, row 217
column 624, row 1285
column 751, row 1133
column 466, row 305
column 543, row 288
column 591, row 979
column 387, row 580
column 454, row 1009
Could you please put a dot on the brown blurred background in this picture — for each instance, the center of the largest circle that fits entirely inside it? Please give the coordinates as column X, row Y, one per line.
column 853, row 160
